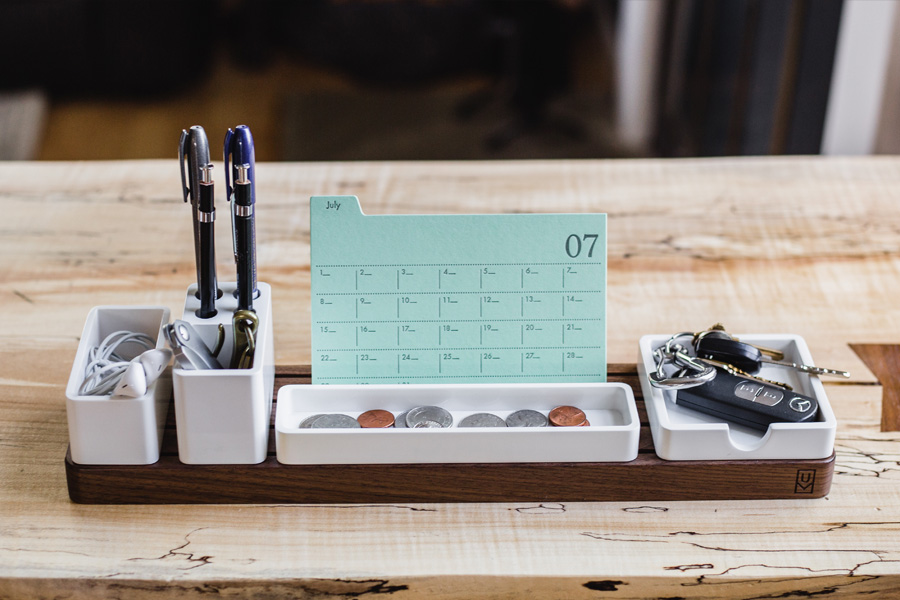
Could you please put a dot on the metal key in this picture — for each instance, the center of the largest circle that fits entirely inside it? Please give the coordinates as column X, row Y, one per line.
column 749, row 358
column 740, row 373
column 718, row 331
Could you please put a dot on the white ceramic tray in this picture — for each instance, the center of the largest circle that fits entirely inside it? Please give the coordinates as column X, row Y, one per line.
column 610, row 408
column 680, row 433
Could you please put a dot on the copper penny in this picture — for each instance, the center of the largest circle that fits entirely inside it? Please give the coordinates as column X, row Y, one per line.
column 586, row 423
column 377, row 419
column 567, row 416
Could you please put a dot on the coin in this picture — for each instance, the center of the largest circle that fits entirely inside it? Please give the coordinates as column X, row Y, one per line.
column 586, row 423
column 482, row 420
column 376, row 419
column 400, row 420
column 567, row 416
column 428, row 416
column 307, row 423
column 335, row 421
column 526, row 418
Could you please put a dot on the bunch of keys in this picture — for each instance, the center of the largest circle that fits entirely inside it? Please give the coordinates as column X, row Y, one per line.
column 731, row 391
column 192, row 353
column 716, row 344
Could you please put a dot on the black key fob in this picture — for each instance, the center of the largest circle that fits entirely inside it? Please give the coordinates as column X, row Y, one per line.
column 748, row 402
column 737, row 354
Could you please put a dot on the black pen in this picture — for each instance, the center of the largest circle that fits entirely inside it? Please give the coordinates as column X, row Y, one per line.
column 240, row 165
column 193, row 154
column 244, row 251
column 206, row 222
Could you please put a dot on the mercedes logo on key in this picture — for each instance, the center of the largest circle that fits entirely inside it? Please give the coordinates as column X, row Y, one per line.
column 800, row 404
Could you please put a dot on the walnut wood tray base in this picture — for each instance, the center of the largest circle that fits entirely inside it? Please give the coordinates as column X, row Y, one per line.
column 648, row 477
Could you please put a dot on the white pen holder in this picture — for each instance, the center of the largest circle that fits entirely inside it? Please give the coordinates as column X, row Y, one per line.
column 105, row 430
column 222, row 416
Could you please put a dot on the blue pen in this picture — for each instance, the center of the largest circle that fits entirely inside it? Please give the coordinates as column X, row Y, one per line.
column 240, row 183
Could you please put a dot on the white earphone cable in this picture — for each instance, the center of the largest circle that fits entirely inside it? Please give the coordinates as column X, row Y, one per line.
column 106, row 366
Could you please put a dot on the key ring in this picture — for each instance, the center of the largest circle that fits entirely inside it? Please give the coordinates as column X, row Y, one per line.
column 692, row 372
column 246, row 324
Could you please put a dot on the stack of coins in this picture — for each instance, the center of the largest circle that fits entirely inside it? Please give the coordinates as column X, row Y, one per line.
column 435, row 417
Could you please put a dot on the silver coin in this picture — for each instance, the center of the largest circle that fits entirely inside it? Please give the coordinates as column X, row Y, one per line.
column 482, row 420
column 335, row 421
column 307, row 423
column 428, row 416
column 400, row 420
column 527, row 418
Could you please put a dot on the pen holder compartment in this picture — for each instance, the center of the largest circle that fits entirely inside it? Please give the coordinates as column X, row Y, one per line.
column 222, row 416
column 117, row 431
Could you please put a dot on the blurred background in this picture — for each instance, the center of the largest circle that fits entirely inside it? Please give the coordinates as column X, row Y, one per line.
column 451, row 79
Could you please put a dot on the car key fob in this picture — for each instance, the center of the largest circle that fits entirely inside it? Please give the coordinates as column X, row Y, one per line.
column 748, row 402
column 738, row 354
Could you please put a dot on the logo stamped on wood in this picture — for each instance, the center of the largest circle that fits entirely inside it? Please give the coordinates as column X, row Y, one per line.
column 806, row 479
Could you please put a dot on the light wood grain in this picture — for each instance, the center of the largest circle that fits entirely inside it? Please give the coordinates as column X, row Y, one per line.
column 799, row 245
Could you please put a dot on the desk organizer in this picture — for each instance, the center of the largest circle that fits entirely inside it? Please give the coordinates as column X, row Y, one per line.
column 609, row 407
column 646, row 478
column 223, row 415
column 680, row 433
column 120, row 431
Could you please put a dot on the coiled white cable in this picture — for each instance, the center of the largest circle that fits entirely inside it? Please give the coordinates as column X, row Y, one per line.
column 106, row 366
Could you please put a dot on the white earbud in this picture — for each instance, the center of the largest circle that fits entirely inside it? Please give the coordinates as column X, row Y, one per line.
column 155, row 362
column 133, row 383
column 142, row 372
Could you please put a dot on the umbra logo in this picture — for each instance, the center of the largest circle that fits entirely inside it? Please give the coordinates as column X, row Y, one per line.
column 806, row 479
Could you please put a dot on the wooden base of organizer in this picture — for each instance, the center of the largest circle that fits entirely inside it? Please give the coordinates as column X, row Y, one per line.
column 646, row 478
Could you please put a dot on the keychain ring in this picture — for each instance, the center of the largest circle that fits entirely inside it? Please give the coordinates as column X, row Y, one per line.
column 680, row 383
column 702, row 373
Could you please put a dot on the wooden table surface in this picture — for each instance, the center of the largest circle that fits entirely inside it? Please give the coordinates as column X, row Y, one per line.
column 809, row 246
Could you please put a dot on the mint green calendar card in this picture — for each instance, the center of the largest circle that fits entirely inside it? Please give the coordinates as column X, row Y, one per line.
column 484, row 298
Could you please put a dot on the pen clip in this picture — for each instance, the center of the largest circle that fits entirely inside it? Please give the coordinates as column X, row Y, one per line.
column 229, row 154
column 183, row 154
column 234, row 231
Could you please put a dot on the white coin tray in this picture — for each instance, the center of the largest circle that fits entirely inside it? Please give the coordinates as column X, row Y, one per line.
column 681, row 433
column 610, row 408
